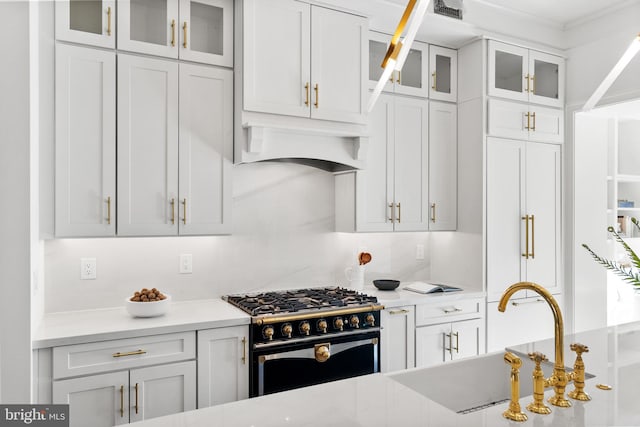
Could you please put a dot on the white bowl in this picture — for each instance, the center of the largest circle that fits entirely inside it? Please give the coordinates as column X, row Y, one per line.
column 148, row 309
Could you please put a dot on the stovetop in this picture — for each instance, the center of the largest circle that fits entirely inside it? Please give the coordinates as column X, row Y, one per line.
column 292, row 301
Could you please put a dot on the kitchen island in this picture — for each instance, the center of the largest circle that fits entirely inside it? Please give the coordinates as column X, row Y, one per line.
column 380, row 400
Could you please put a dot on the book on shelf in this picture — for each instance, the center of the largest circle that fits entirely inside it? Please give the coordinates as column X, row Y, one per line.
column 430, row 288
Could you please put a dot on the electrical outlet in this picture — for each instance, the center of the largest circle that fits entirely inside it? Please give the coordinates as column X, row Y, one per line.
column 88, row 269
column 186, row 264
column 420, row 251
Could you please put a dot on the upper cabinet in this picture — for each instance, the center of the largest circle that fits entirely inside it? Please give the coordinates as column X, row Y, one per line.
column 87, row 22
column 443, row 70
column 195, row 30
column 525, row 75
column 412, row 79
column 304, row 60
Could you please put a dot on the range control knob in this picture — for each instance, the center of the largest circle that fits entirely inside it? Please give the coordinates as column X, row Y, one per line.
column 322, row 326
column 338, row 323
column 267, row 332
column 287, row 329
column 305, row 328
column 370, row 320
column 354, row 321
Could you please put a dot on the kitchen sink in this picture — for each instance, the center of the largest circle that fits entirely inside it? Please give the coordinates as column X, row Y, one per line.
column 468, row 385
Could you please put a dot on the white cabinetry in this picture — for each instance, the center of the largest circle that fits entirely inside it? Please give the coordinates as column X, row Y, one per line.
column 390, row 194
column 443, row 70
column 525, row 75
column 525, row 121
column 87, row 22
column 320, row 55
column 449, row 330
column 117, row 385
column 443, row 170
column 397, row 338
column 195, row 30
column 157, row 194
column 223, row 369
column 85, row 181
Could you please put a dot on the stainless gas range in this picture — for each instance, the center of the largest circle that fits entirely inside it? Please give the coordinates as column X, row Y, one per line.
column 310, row 336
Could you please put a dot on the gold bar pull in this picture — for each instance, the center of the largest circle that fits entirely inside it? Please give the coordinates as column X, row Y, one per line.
column 109, row 21
column 136, row 398
column 534, row 121
column 317, row 91
column 433, row 86
column 109, row 210
column 129, row 353
column 184, row 211
column 391, row 77
column 526, row 241
column 527, row 79
column 121, row 401
column 173, row 211
column 450, row 348
column 401, row 311
column 399, row 76
column 533, row 237
column 533, row 84
column 399, row 213
column 306, row 89
column 433, row 212
column 244, row 350
column 528, row 121
column 184, row 35
column 457, row 347
column 173, row 32
column 392, row 212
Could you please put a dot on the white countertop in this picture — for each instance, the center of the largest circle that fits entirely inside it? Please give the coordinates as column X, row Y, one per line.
column 377, row 400
column 399, row 296
column 75, row 327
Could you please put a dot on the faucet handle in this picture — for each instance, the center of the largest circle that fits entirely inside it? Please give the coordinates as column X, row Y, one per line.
column 538, row 405
column 538, row 357
column 578, row 373
column 579, row 348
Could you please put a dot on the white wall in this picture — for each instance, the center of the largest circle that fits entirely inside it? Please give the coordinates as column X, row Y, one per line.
column 283, row 222
column 15, row 218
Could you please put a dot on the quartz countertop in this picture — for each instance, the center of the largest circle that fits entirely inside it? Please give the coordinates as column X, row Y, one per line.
column 378, row 400
column 399, row 296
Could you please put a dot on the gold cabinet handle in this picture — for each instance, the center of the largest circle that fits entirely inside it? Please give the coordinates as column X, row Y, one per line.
column 306, row 97
column 533, row 84
column 457, row 347
column 533, row 115
column 184, row 35
column 526, row 239
column 533, row 237
column 136, row 398
column 391, row 77
column 121, row 401
column 399, row 76
column 451, row 310
column 129, row 353
column 433, row 86
column 184, row 211
column 244, row 350
column 399, row 213
column 173, row 211
column 173, row 32
column 516, row 303
column 527, row 79
column 395, row 312
column 528, row 121
column 317, row 90
column 433, row 212
column 392, row 212
column 450, row 348
column 109, row 21
column 109, row 210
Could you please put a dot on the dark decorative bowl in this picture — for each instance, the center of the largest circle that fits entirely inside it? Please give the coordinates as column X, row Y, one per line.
column 386, row 284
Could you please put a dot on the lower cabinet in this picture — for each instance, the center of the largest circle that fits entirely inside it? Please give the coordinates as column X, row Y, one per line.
column 448, row 341
column 223, row 368
column 397, row 337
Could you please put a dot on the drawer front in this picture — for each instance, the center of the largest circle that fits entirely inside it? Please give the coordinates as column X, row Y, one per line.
column 104, row 356
column 428, row 314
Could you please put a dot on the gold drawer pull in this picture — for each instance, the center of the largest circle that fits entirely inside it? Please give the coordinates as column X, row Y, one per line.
column 129, row 353
column 451, row 310
column 403, row 311
column 515, row 303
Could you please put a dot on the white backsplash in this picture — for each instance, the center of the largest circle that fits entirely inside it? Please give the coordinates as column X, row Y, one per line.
column 283, row 238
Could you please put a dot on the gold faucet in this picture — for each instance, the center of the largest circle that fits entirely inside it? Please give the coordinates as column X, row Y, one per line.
column 514, row 412
column 559, row 378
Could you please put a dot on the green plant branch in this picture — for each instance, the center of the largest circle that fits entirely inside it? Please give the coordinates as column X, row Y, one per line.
column 635, row 260
column 627, row 274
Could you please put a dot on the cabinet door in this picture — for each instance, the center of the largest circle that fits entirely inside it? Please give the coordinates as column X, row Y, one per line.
column 397, row 339
column 339, row 47
column 547, row 124
column 162, row 390
column 206, row 149
column 467, row 338
column 432, row 345
column 443, row 162
column 147, row 146
column 96, row 400
column 87, row 22
column 410, row 164
column 543, row 187
column 412, row 79
column 505, row 229
column 374, row 184
column 547, row 79
column 85, row 181
column 149, row 26
column 223, row 369
column 378, row 44
column 508, row 71
column 276, row 56
column 206, row 31
column 510, row 119
column 443, row 69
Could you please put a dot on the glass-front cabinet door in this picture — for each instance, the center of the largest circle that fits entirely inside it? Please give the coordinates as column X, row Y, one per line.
column 91, row 22
column 547, row 79
column 443, row 70
column 206, row 31
column 508, row 74
column 149, row 26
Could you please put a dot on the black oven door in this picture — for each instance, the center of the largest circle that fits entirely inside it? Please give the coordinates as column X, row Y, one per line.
column 289, row 366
